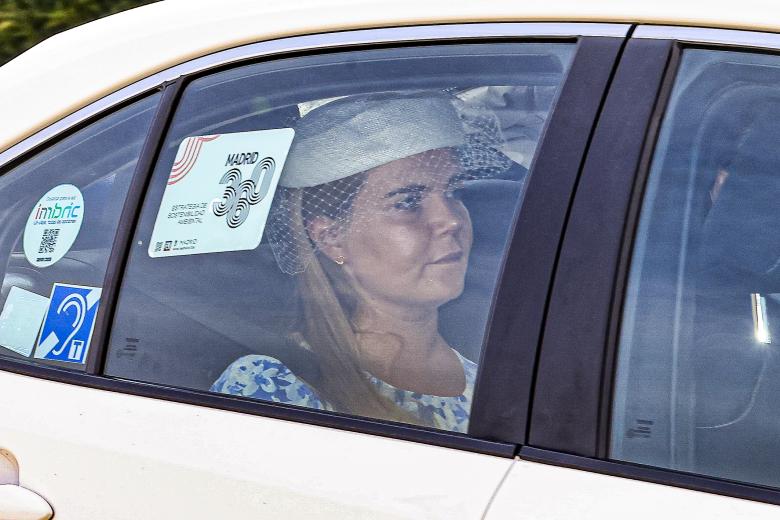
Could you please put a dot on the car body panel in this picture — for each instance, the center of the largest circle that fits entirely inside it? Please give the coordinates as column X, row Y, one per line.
column 134, row 457
column 541, row 491
column 77, row 67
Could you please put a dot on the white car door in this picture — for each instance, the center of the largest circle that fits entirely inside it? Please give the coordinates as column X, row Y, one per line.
column 111, row 347
column 96, row 454
column 543, row 491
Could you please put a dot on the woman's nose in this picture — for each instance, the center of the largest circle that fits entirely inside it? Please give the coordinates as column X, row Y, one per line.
column 445, row 215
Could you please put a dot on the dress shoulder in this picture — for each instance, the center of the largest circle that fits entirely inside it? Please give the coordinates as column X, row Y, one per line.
column 266, row 378
column 469, row 368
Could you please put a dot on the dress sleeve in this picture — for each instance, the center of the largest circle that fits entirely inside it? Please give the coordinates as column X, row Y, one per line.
column 268, row 379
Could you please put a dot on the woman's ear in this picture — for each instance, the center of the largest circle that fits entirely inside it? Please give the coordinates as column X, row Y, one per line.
column 327, row 236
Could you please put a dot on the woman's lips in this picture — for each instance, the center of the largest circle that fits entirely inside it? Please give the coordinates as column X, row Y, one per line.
column 449, row 258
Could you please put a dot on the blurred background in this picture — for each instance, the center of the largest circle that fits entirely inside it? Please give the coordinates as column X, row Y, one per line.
column 23, row 23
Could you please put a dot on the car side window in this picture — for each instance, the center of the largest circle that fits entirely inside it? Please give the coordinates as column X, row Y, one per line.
column 327, row 231
column 699, row 371
column 60, row 214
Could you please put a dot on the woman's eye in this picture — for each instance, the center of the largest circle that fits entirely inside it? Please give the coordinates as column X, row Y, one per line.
column 410, row 202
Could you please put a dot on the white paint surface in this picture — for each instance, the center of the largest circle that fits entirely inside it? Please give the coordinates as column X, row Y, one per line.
column 97, row 455
column 544, row 492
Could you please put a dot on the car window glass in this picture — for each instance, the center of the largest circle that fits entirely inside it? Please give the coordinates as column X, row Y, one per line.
column 327, row 231
column 698, row 370
column 60, row 214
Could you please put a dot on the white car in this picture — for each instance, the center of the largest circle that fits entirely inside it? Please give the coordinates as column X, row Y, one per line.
column 393, row 259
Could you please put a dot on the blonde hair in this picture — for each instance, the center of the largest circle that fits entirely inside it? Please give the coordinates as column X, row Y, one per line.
column 327, row 303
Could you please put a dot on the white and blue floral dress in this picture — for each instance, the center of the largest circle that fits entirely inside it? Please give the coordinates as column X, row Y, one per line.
column 267, row 378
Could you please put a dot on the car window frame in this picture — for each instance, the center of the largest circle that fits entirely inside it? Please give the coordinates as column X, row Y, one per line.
column 571, row 427
column 501, row 403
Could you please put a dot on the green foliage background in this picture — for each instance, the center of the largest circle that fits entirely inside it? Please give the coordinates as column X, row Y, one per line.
column 23, row 23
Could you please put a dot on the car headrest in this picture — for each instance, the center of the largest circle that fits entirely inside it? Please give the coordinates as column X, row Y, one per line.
column 492, row 205
column 740, row 238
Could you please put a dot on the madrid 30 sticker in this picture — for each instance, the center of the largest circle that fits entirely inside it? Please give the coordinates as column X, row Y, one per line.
column 68, row 324
column 219, row 192
column 53, row 225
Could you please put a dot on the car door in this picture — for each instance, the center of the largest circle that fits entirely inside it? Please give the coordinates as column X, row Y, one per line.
column 118, row 419
column 657, row 370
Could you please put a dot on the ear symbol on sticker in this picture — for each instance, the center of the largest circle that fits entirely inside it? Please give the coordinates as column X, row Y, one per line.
column 79, row 303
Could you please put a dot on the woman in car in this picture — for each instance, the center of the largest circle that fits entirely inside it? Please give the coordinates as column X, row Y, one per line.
column 368, row 219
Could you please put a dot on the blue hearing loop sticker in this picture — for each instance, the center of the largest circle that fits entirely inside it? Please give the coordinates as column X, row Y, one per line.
column 69, row 322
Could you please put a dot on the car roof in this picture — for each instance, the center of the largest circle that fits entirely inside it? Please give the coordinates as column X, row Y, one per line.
column 74, row 68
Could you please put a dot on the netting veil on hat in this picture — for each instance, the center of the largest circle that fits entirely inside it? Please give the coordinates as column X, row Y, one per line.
column 337, row 141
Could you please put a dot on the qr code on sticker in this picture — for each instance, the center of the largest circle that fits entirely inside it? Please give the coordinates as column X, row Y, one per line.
column 49, row 240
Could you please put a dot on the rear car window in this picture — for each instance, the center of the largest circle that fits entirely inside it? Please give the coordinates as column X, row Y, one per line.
column 328, row 231
column 698, row 370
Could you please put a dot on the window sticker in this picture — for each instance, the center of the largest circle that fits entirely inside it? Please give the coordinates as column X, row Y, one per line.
column 21, row 320
column 53, row 225
column 70, row 319
column 219, row 192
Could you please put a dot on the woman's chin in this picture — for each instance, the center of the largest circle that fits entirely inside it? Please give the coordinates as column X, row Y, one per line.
column 440, row 290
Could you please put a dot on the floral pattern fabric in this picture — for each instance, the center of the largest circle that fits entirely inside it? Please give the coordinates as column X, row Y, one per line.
column 268, row 379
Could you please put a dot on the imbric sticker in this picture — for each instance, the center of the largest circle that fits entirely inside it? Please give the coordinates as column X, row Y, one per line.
column 53, row 225
column 219, row 192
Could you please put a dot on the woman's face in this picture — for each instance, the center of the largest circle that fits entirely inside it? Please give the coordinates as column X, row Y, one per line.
column 409, row 236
